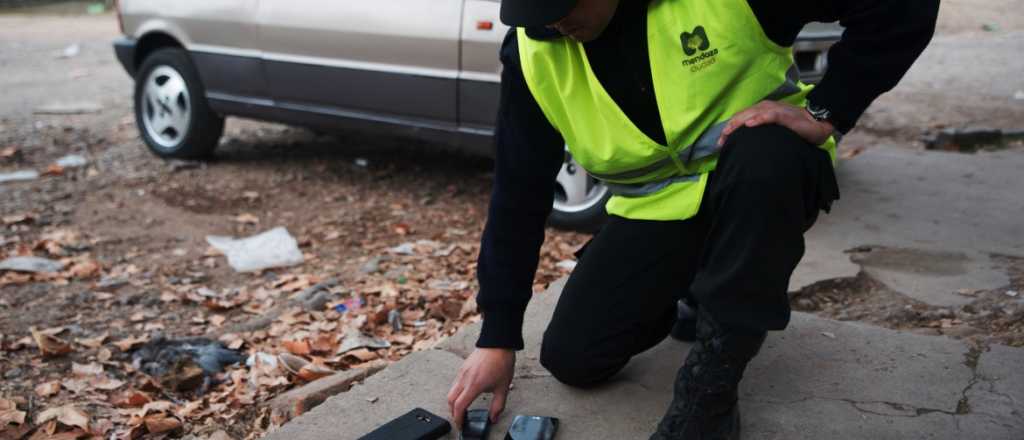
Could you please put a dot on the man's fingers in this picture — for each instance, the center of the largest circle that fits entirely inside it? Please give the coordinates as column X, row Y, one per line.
column 456, row 390
column 498, row 404
column 769, row 117
column 465, row 399
column 453, row 395
column 736, row 122
column 730, row 127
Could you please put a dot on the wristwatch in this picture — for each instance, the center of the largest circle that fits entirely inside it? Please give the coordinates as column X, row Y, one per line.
column 822, row 114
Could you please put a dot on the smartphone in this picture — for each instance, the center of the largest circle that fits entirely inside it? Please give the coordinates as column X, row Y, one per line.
column 532, row 428
column 476, row 424
column 418, row 424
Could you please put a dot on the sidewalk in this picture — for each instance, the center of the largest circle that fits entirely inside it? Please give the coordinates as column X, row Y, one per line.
column 819, row 379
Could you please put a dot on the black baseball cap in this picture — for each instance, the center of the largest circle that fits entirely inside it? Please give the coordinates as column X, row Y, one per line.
column 534, row 12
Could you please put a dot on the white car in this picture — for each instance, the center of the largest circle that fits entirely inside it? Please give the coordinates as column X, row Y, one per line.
column 425, row 68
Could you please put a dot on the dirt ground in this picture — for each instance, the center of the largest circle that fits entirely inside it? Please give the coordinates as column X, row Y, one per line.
column 131, row 229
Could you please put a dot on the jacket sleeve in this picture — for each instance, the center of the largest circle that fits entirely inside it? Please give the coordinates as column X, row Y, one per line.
column 529, row 154
column 882, row 40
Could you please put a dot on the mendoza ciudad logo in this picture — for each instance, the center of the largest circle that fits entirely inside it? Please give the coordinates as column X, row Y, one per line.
column 694, row 42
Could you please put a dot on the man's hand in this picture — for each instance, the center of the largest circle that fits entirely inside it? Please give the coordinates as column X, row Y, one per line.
column 487, row 370
column 789, row 116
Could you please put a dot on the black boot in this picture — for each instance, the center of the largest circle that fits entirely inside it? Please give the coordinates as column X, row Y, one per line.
column 685, row 328
column 704, row 404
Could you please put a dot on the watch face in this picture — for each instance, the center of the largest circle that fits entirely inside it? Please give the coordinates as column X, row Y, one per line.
column 821, row 114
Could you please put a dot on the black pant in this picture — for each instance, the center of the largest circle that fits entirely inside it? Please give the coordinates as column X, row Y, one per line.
column 734, row 259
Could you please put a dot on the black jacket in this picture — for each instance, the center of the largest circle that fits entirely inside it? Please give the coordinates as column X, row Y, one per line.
column 882, row 40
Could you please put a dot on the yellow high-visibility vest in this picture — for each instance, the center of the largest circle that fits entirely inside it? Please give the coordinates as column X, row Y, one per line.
column 710, row 59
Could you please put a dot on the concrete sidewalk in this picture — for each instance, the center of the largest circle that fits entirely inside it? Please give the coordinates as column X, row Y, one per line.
column 820, row 379
column 936, row 220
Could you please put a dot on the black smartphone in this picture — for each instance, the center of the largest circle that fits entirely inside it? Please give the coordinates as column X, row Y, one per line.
column 532, row 428
column 418, row 424
column 476, row 424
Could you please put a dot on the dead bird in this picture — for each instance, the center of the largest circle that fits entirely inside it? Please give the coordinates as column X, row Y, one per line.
column 183, row 364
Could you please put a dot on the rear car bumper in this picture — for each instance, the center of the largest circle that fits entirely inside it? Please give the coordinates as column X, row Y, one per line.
column 124, row 48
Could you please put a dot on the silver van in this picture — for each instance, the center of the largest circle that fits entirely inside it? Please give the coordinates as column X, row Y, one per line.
column 426, row 68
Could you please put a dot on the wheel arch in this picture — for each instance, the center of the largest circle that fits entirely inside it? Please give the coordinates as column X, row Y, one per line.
column 152, row 42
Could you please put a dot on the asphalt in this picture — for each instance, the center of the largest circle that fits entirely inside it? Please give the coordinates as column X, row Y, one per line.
column 932, row 221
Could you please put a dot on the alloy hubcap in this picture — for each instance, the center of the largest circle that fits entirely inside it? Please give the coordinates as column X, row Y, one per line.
column 166, row 110
column 575, row 190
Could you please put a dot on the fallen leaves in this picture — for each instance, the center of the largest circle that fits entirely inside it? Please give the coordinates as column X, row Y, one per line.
column 247, row 219
column 130, row 399
column 305, row 370
column 9, row 414
column 9, row 152
column 410, row 297
column 68, row 415
column 131, row 342
column 92, row 369
column 47, row 389
column 300, row 348
column 95, row 342
column 50, row 345
column 160, row 423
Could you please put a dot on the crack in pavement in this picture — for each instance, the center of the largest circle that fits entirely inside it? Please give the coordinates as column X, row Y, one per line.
column 963, row 406
column 971, row 359
column 863, row 406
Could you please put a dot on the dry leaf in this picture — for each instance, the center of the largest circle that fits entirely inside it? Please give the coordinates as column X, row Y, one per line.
column 218, row 320
column 86, row 269
column 68, row 415
column 247, row 219
column 50, row 345
column 92, row 369
column 48, row 389
column 158, row 423
column 9, row 413
column 362, row 354
column 96, row 342
column 324, row 343
column 158, row 406
column 53, row 170
column 17, row 218
column 189, row 409
column 130, row 399
column 129, row 343
column 404, row 339
column 104, row 355
column 313, row 372
column 76, row 386
column 300, row 348
column 106, row 383
column 291, row 363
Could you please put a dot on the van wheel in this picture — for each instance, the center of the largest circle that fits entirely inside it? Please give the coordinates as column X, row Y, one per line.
column 171, row 109
column 579, row 199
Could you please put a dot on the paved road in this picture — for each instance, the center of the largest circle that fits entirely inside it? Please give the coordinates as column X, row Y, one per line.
column 35, row 74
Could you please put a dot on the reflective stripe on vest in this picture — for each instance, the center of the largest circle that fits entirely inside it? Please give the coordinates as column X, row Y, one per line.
column 706, row 146
column 710, row 59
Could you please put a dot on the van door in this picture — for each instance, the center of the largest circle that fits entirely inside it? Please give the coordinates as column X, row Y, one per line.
column 378, row 60
column 480, row 77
